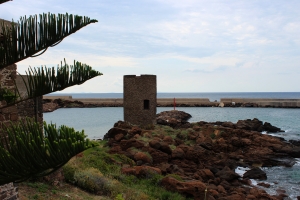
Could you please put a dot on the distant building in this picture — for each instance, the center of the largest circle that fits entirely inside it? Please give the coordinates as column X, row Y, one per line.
column 140, row 99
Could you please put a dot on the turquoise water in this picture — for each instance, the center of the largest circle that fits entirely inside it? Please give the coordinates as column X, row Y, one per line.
column 97, row 121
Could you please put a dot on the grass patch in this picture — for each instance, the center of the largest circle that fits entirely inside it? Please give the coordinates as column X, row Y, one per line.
column 212, row 135
column 100, row 173
column 35, row 190
column 172, row 146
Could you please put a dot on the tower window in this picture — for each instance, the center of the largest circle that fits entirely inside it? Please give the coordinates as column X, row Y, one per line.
column 146, row 104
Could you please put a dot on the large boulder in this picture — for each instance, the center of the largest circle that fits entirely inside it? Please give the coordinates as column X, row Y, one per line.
column 257, row 125
column 172, row 118
column 141, row 171
column 193, row 188
column 255, row 173
column 227, row 174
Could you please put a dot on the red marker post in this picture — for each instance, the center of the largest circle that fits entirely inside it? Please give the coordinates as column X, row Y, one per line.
column 174, row 104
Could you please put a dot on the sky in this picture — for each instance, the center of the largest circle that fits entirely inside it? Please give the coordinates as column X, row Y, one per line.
column 191, row 45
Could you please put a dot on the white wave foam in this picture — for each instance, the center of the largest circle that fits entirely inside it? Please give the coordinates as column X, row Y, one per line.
column 241, row 170
column 253, row 182
column 297, row 162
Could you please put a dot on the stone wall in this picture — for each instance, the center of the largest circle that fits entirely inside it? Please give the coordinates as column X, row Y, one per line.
column 140, row 99
column 8, row 114
column 30, row 108
column 9, row 192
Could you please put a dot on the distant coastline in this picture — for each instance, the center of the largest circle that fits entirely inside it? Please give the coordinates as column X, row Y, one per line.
column 51, row 103
column 212, row 96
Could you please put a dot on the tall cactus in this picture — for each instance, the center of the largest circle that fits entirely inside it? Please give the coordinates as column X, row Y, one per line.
column 28, row 151
column 3, row 1
column 36, row 33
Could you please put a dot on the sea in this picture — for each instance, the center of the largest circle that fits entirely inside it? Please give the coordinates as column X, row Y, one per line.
column 97, row 121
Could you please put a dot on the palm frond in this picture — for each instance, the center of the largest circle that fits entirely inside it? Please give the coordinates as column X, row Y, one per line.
column 28, row 151
column 3, row 1
column 31, row 35
column 41, row 81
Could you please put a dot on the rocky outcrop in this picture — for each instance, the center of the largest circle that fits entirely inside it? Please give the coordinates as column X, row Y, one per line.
column 49, row 105
column 255, row 173
column 172, row 118
column 204, row 155
column 178, row 119
column 257, row 125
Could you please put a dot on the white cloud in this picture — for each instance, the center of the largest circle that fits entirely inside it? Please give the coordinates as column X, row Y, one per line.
column 192, row 45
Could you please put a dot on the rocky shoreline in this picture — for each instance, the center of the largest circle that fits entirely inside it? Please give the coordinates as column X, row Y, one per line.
column 200, row 158
column 50, row 105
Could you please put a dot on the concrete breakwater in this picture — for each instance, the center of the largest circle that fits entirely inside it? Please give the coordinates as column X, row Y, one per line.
column 186, row 102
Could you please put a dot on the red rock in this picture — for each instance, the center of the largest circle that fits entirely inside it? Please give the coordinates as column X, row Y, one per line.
column 261, row 194
column 196, row 153
column 227, row 174
column 205, row 174
column 194, row 188
column 255, row 173
column 168, row 139
column 115, row 149
column 266, row 185
column 196, row 128
column 134, row 131
column 178, row 153
column 236, row 197
column 141, row 171
column 250, row 196
column 212, row 187
column 246, row 142
column 154, row 144
column 159, row 157
column 123, row 125
column 141, row 156
column 125, row 144
column 221, row 189
column 165, row 148
column 213, row 193
column 187, row 166
column 164, row 167
column 193, row 135
column 184, row 147
column 119, row 137
column 147, row 135
column 114, row 131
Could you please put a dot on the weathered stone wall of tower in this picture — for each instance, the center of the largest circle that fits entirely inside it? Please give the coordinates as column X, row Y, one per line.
column 140, row 99
column 29, row 108
column 7, row 115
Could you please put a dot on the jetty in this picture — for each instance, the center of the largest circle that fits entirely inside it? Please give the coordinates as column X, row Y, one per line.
column 189, row 102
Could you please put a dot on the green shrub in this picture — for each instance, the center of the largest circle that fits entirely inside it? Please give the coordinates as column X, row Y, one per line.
column 69, row 171
column 213, row 136
column 172, row 146
column 119, row 197
column 92, row 180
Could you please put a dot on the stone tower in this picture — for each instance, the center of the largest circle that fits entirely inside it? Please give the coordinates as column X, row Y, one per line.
column 139, row 99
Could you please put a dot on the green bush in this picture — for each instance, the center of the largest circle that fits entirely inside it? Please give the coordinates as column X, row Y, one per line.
column 92, row 180
column 69, row 171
